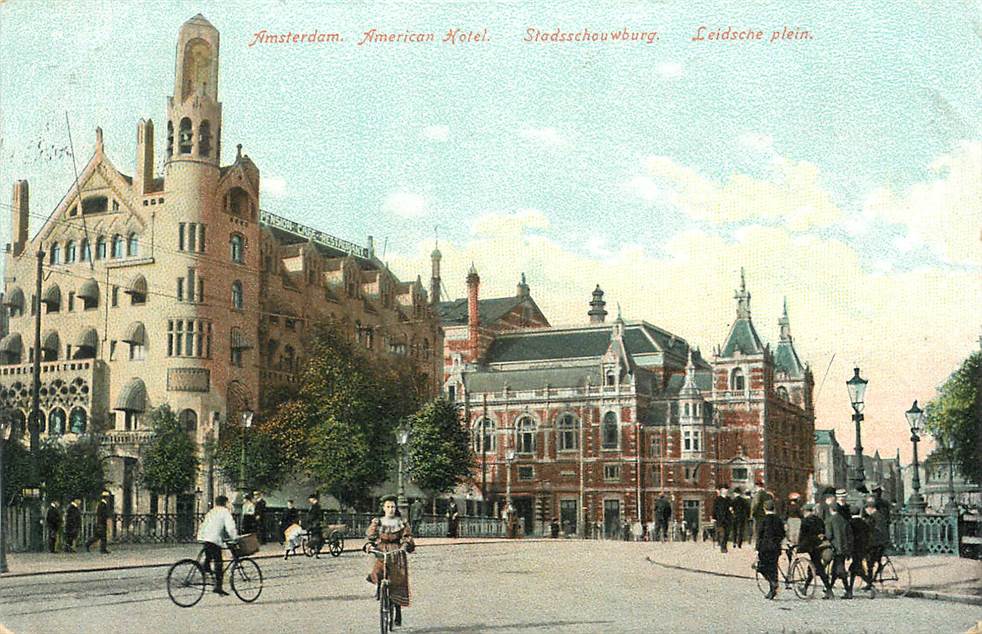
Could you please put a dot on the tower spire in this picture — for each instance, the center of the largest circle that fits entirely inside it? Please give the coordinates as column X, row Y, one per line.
column 785, row 323
column 743, row 298
column 435, row 257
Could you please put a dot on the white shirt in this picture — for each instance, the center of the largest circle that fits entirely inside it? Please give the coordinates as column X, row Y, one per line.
column 217, row 526
column 249, row 508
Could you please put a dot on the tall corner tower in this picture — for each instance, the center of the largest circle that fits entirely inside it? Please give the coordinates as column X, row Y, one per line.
column 194, row 114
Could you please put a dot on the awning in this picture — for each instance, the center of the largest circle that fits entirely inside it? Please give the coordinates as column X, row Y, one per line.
column 12, row 343
column 136, row 334
column 51, row 341
column 51, row 295
column 89, row 290
column 88, row 339
column 137, row 285
column 240, row 341
column 15, row 299
column 133, row 397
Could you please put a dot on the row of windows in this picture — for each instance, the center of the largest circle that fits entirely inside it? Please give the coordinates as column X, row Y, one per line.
column 185, row 138
column 567, row 433
column 189, row 338
column 191, row 237
column 82, row 252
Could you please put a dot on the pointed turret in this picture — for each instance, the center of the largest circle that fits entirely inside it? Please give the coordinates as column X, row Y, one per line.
column 786, row 360
column 743, row 336
column 597, row 311
column 435, row 281
column 522, row 290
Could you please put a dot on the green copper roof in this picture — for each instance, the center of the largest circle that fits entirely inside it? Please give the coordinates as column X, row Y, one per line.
column 454, row 313
column 743, row 337
column 825, row 437
column 786, row 360
column 536, row 379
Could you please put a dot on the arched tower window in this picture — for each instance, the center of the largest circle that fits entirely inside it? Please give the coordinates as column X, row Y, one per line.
column 782, row 393
column 189, row 420
column 609, row 431
column 117, row 246
column 185, row 138
column 100, row 248
column 237, row 203
column 170, row 139
column 55, row 253
column 204, row 138
column 483, row 428
column 737, row 380
column 237, row 248
column 69, row 252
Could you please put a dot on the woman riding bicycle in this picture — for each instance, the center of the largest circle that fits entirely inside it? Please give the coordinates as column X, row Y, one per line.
column 390, row 533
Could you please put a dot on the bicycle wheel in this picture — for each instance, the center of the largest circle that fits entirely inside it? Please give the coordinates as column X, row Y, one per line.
column 893, row 578
column 337, row 543
column 384, row 607
column 804, row 578
column 306, row 546
column 247, row 579
column 762, row 583
column 784, row 570
column 185, row 583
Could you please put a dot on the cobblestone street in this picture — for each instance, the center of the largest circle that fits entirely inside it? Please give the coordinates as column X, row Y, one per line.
column 542, row 586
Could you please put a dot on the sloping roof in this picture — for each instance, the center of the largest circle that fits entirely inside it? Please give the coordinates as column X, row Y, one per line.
column 521, row 380
column 825, row 437
column 704, row 381
column 454, row 313
column 786, row 360
column 743, row 337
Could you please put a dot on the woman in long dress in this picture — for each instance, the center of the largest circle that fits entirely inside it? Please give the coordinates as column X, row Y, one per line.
column 390, row 533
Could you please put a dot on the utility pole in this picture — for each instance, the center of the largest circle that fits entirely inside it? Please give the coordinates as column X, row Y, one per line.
column 484, row 457
column 35, row 509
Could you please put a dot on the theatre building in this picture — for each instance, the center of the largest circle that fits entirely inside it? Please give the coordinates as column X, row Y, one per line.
column 591, row 423
column 176, row 289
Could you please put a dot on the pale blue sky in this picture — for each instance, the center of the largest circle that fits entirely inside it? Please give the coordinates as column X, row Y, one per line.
column 391, row 140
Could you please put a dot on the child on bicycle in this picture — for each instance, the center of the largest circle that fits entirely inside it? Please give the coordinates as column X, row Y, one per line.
column 217, row 527
column 390, row 533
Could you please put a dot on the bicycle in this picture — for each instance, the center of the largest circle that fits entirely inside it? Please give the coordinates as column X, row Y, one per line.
column 892, row 577
column 186, row 579
column 312, row 547
column 795, row 570
column 386, row 614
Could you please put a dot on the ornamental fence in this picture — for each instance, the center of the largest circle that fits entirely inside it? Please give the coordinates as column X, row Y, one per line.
column 924, row 533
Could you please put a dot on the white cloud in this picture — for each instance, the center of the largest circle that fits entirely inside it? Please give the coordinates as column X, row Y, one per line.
column 405, row 204
column 669, row 70
column 645, row 188
column 944, row 213
column 549, row 137
column 497, row 224
column 436, row 133
column 273, row 186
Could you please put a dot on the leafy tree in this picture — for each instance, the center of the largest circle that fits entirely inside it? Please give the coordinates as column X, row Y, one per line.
column 263, row 457
column 957, row 413
column 170, row 461
column 440, row 452
column 80, row 473
column 16, row 470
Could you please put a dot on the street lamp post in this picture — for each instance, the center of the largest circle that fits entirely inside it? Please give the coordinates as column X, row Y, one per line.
column 857, row 396
column 915, row 418
column 509, row 458
column 946, row 443
column 247, row 416
column 402, row 437
column 5, row 427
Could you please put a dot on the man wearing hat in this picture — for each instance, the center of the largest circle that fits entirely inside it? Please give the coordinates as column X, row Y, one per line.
column 102, row 515
column 769, row 541
column 838, row 533
column 757, row 506
column 312, row 523
column 52, row 520
column 741, row 513
column 879, row 539
column 881, row 505
column 73, row 524
column 822, row 507
column 723, row 514
column 810, row 538
column 260, row 516
column 841, row 500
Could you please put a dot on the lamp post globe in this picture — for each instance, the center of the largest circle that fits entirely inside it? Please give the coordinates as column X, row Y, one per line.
column 857, row 398
column 915, row 419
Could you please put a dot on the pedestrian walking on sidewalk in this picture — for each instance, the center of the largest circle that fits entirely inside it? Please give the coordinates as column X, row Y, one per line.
column 860, row 548
column 879, row 538
column 260, row 513
column 840, row 536
column 810, row 539
column 73, row 524
column 102, row 515
column 663, row 515
column 723, row 514
column 217, row 527
column 52, row 520
column 741, row 511
column 769, row 546
column 416, row 515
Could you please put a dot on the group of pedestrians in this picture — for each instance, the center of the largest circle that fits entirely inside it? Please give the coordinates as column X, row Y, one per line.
column 72, row 523
column 732, row 513
column 254, row 515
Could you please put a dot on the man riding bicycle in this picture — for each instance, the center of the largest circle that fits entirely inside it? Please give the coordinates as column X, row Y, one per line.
column 217, row 527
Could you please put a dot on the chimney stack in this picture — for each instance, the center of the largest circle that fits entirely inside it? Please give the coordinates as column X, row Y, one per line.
column 597, row 312
column 20, row 217
column 473, row 315
column 143, row 174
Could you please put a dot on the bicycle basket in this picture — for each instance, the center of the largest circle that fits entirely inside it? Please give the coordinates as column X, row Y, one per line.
column 248, row 544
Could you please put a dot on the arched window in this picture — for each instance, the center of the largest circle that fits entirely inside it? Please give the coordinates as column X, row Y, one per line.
column 237, row 298
column 117, row 246
column 237, row 248
column 85, row 251
column 55, row 254
column 782, row 392
column 609, row 431
column 170, row 139
column 737, row 381
column 204, row 138
column 483, row 428
column 525, row 435
column 237, row 202
column 42, row 421
column 69, row 252
column 133, row 245
column 100, row 248
column 185, row 138
column 57, row 419
column 686, row 409
column 568, row 429
column 78, row 420
column 610, row 378
column 189, row 420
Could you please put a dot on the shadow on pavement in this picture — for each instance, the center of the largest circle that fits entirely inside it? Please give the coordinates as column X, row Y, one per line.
column 484, row 627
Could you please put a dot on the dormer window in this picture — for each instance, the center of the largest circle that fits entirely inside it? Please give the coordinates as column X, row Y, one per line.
column 737, row 380
column 610, row 377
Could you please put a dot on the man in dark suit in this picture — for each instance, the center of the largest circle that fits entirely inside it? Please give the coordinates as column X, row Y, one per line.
column 260, row 516
column 312, row 524
column 769, row 541
column 53, row 522
column 879, row 539
column 860, row 546
column 810, row 541
column 102, row 515
column 723, row 514
column 663, row 515
column 291, row 516
column 839, row 534
column 73, row 524
column 741, row 512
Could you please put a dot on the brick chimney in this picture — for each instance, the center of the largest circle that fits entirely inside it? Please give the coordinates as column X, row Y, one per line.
column 19, row 218
column 473, row 315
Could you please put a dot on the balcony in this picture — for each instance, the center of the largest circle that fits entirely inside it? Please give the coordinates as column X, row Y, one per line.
column 124, row 438
column 66, row 384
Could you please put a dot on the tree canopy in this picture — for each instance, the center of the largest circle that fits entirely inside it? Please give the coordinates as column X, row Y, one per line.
column 440, row 452
column 170, row 461
column 956, row 413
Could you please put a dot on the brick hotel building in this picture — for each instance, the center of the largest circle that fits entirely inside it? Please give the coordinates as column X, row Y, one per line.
column 178, row 289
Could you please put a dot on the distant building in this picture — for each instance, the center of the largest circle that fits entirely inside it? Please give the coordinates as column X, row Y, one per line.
column 934, row 483
column 830, row 461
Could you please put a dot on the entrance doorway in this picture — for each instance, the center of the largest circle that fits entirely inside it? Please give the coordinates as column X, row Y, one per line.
column 568, row 514
column 612, row 519
column 129, row 473
column 524, row 511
